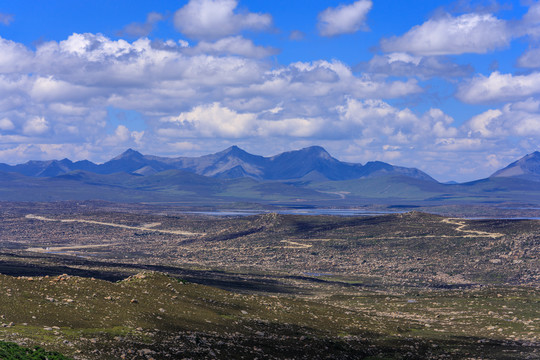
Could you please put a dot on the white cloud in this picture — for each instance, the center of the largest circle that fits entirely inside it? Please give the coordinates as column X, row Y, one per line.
column 499, row 87
column 530, row 23
column 292, row 127
column 459, row 144
column 234, row 45
column 35, row 126
column 6, row 124
column 486, row 124
column 72, row 83
column 63, row 91
column 92, row 71
column 68, row 109
column 214, row 120
column 183, row 146
column 142, row 29
column 403, row 64
column 14, row 57
column 318, row 79
column 345, row 19
column 214, row 19
column 50, row 89
column 514, row 119
column 375, row 119
column 356, row 119
column 530, row 59
column 122, row 137
column 448, row 35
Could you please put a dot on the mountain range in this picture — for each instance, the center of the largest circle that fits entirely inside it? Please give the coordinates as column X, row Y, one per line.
column 309, row 175
column 231, row 163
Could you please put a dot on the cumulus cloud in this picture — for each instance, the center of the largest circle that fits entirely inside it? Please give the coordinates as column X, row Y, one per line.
column 14, row 57
column 499, row 87
column 354, row 119
column 318, row 79
column 234, row 45
column 513, row 119
column 483, row 124
column 530, row 23
column 448, row 35
column 214, row 19
column 60, row 94
column 142, row 29
column 122, row 137
column 403, row 64
column 345, row 19
column 214, row 120
column 90, row 71
column 217, row 120
column 51, row 89
column 530, row 59
column 6, row 124
column 35, row 126
column 378, row 120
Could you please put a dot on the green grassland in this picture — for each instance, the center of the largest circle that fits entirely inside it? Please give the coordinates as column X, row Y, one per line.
column 159, row 315
column 12, row 351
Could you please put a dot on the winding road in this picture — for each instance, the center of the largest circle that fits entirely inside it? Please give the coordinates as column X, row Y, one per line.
column 138, row 228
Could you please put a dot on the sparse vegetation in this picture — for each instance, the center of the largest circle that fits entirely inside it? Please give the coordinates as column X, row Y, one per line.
column 268, row 286
column 11, row 351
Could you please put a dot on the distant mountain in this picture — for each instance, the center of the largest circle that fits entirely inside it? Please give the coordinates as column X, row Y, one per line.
column 309, row 164
column 131, row 161
column 50, row 167
column 526, row 168
column 229, row 163
column 304, row 177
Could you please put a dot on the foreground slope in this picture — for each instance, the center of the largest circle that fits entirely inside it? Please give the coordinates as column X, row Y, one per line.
column 152, row 315
column 399, row 286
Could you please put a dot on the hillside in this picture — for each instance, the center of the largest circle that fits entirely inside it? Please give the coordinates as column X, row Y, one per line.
column 527, row 168
column 108, row 282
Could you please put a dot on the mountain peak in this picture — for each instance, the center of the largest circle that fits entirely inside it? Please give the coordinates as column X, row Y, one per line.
column 317, row 150
column 129, row 154
column 234, row 150
column 528, row 166
column 535, row 155
column 312, row 152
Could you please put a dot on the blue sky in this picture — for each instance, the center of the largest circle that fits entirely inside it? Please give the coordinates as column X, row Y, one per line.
column 450, row 87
